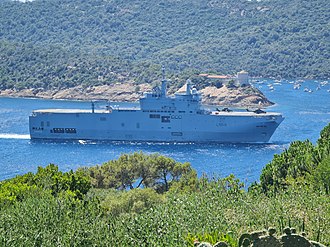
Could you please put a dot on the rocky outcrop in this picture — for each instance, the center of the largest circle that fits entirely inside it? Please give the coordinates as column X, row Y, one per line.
column 246, row 96
column 113, row 92
column 237, row 96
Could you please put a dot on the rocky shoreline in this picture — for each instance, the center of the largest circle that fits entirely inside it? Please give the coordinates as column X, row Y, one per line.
column 246, row 96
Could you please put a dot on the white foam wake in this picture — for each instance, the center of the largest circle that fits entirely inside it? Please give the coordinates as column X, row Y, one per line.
column 13, row 136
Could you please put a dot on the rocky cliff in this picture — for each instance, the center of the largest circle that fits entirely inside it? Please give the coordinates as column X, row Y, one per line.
column 224, row 96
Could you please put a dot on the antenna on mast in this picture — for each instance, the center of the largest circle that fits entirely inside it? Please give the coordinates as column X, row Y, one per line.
column 163, row 73
column 163, row 82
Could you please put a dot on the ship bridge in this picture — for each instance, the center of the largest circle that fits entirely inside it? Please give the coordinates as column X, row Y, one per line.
column 188, row 101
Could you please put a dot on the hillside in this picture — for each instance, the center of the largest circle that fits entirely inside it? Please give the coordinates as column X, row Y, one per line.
column 246, row 96
column 56, row 44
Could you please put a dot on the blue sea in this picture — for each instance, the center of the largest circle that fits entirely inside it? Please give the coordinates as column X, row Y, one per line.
column 306, row 111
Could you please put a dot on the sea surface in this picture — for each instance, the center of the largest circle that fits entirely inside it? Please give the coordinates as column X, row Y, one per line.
column 306, row 111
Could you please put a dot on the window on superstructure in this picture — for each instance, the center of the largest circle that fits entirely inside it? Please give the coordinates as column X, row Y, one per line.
column 154, row 116
column 166, row 119
column 70, row 130
column 58, row 130
column 176, row 133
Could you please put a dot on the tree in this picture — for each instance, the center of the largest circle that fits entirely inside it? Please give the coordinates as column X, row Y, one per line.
column 321, row 175
column 50, row 178
column 139, row 170
column 323, row 143
column 47, row 180
column 300, row 161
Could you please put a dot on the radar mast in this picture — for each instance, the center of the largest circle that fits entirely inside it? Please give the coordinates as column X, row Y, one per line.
column 164, row 82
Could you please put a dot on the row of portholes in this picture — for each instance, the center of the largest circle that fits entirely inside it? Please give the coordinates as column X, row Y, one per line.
column 176, row 117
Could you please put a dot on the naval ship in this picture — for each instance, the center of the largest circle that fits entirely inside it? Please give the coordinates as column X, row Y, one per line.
column 158, row 118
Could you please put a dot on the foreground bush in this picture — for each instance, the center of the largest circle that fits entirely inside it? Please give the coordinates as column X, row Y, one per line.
column 51, row 208
column 133, row 201
column 302, row 161
column 46, row 179
column 214, row 210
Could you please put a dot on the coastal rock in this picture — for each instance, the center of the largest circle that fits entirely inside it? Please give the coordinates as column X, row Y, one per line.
column 240, row 96
column 246, row 96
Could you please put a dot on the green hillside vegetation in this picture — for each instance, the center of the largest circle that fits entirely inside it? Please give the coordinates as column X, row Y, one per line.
column 60, row 43
column 152, row 200
column 301, row 162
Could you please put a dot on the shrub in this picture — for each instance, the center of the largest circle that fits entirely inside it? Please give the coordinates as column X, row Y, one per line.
column 132, row 201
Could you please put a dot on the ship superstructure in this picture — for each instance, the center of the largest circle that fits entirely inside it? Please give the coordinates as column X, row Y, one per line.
column 159, row 118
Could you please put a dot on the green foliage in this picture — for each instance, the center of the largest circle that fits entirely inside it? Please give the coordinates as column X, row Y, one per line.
column 48, row 179
column 300, row 162
column 187, row 183
column 12, row 192
column 132, row 201
column 139, row 170
column 321, row 175
column 54, row 44
column 50, row 221
column 324, row 136
column 323, row 143
column 231, row 84
column 51, row 208
column 139, row 217
column 212, row 237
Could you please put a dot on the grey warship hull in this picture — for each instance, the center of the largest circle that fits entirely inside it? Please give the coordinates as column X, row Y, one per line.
column 159, row 118
column 136, row 125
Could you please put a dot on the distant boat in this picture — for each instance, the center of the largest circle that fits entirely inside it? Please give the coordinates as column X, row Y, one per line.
column 270, row 86
column 323, row 83
column 82, row 141
column 296, row 86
